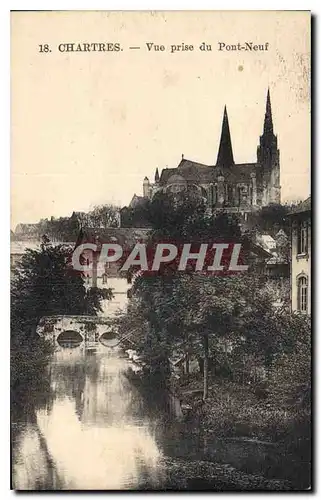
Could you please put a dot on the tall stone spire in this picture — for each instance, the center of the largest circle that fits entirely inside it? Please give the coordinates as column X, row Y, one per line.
column 225, row 152
column 268, row 122
column 268, row 139
column 156, row 175
column 268, row 159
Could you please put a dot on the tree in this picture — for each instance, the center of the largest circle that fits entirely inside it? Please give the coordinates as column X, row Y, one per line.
column 170, row 304
column 196, row 313
column 183, row 217
column 102, row 216
column 291, row 367
column 63, row 229
column 138, row 215
column 44, row 284
column 271, row 219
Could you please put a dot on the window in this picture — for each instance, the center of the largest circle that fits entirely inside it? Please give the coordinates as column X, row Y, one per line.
column 302, row 237
column 239, row 195
column 230, row 194
column 176, row 188
column 303, row 294
column 213, row 194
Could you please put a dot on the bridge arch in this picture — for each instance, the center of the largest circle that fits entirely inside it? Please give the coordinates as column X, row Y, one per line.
column 69, row 338
column 57, row 329
column 109, row 339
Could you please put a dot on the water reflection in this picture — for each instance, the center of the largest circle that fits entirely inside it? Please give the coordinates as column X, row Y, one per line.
column 91, row 433
column 86, row 426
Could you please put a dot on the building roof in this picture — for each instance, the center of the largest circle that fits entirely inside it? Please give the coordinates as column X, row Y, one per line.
column 20, row 247
column 136, row 201
column 124, row 236
column 276, row 260
column 79, row 215
column 266, row 240
column 259, row 251
column 27, row 229
column 193, row 171
column 304, row 206
column 281, row 234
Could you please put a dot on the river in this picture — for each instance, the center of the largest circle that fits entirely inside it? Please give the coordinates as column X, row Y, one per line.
column 86, row 425
column 91, row 433
column 90, row 428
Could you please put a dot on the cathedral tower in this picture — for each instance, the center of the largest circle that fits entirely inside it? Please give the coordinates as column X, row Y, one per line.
column 268, row 159
column 146, row 188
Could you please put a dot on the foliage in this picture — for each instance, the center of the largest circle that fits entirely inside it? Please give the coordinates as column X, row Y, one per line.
column 249, row 341
column 271, row 218
column 184, row 217
column 103, row 216
column 45, row 284
column 183, row 310
column 137, row 216
column 290, row 378
column 64, row 229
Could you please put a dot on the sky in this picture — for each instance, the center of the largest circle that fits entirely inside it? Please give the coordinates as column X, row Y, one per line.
column 86, row 127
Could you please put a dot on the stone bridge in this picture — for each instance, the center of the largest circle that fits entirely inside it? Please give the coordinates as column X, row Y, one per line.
column 74, row 330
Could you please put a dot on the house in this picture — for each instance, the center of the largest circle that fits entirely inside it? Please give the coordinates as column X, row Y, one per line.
column 125, row 237
column 28, row 232
column 300, row 219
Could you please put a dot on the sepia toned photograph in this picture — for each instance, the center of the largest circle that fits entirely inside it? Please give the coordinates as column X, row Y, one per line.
column 160, row 251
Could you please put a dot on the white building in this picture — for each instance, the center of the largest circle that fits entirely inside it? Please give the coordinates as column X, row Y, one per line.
column 301, row 257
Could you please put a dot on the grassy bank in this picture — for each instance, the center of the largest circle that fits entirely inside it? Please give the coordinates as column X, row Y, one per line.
column 233, row 409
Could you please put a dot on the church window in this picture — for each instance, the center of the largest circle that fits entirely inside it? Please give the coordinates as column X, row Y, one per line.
column 176, row 188
column 230, row 194
column 213, row 194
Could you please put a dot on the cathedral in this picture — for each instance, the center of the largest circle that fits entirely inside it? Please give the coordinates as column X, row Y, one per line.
column 236, row 187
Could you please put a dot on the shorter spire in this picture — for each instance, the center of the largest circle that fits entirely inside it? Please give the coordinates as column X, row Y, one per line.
column 156, row 175
column 225, row 152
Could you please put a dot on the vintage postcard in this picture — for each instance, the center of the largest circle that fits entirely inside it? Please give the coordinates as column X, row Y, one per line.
column 160, row 251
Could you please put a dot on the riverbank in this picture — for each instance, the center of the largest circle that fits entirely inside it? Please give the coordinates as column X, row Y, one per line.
column 234, row 411
column 187, row 454
column 237, row 425
column 28, row 359
column 205, row 475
